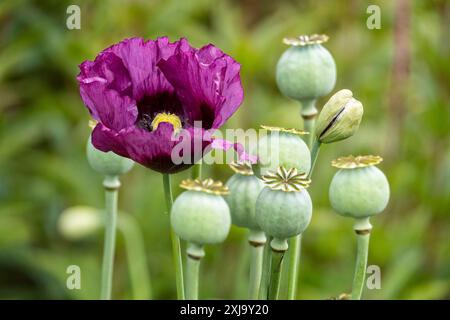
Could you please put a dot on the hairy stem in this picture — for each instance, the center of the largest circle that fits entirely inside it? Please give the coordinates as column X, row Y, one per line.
column 176, row 249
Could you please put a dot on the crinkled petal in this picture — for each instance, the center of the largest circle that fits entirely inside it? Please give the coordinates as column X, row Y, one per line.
column 154, row 149
column 106, row 140
column 107, row 106
column 207, row 82
column 140, row 58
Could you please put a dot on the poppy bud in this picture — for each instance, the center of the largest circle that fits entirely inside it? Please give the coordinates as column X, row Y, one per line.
column 244, row 189
column 339, row 118
column 284, row 207
column 282, row 147
column 107, row 163
column 306, row 71
column 359, row 189
column 200, row 215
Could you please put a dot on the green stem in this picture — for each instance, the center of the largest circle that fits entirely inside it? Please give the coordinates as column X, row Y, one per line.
column 196, row 172
column 176, row 248
column 194, row 255
column 314, row 155
column 362, row 238
column 257, row 239
column 111, row 185
column 294, row 258
column 279, row 248
column 275, row 274
column 136, row 256
column 309, row 113
column 264, row 288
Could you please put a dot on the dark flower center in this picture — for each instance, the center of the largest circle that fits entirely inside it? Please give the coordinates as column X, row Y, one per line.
column 168, row 103
column 161, row 107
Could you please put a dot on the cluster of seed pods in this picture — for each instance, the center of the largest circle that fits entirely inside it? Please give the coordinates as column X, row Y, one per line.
column 269, row 198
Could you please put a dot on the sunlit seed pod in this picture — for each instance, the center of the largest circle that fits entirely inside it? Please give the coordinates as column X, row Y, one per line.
column 284, row 207
column 77, row 222
column 339, row 118
column 107, row 163
column 306, row 70
column 201, row 215
column 244, row 189
column 281, row 147
column 359, row 189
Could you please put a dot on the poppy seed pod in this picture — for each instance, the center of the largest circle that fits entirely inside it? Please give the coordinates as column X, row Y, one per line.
column 359, row 189
column 78, row 222
column 244, row 189
column 282, row 147
column 339, row 118
column 284, row 207
column 107, row 163
column 200, row 215
column 306, row 71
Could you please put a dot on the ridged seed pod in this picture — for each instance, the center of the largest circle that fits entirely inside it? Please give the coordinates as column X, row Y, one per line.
column 282, row 147
column 306, row 71
column 244, row 189
column 359, row 189
column 200, row 215
column 284, row 207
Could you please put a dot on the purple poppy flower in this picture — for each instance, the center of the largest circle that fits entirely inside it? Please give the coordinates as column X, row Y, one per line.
column 143, row 93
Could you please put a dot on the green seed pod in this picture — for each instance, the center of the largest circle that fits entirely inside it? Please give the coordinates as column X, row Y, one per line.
column 78, row 222
column 339, row 118
column 244, row 190
column 306, row 71
column 284, row 207
column 359, row 189
column 107, row 163
column 200, row 215
column 281, row 147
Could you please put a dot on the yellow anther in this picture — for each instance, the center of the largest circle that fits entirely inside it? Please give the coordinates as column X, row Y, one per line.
column 169, row 118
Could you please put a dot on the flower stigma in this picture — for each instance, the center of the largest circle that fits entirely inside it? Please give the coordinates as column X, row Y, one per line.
column 169, row 118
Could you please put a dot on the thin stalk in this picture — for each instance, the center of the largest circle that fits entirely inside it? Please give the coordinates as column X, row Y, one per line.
column 111, row 185
column 194, row 255
column 314, row 154
column 176, row 248
column 264, row 288
column 136, row 256
column 294, row 259
column 256, row 239
column 361, row 263
column 275, row 274
column 309, row 114
column 196, row 172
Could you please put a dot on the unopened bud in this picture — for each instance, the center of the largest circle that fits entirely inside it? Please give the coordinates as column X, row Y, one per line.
column 339, row 118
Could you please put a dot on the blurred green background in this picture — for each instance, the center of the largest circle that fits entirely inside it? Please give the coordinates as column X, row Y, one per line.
column 400, row 72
